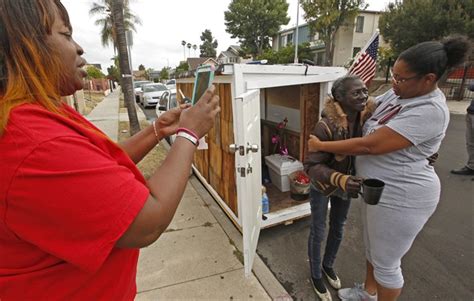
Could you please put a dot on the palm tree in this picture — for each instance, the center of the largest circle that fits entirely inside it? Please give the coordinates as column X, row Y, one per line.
column 194, row 48
column 118, row 25
column 103, row 9
column 183, row 43
column 189, row 49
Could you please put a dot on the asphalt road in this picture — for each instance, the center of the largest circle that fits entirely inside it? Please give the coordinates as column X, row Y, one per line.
column 150, row 113
column 440, row 264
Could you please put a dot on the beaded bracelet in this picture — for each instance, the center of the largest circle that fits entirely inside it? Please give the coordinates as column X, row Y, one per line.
column 154, row 130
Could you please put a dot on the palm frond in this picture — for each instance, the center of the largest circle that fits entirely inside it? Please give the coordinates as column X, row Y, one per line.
column 97, row 9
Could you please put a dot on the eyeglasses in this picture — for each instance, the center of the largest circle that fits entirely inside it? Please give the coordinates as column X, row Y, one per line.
column 400, row 80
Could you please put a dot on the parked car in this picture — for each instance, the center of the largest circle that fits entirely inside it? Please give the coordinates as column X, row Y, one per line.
column 171, row 84
column 167, row 101
column 137, row 88
column 151, row 93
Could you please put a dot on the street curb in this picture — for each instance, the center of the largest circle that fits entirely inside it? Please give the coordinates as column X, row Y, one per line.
column 266, row 278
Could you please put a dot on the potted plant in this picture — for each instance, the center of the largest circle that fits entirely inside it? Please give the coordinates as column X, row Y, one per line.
column 299, row 185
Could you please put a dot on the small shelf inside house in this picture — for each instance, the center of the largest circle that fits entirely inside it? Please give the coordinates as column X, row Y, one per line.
column 280, row 200
column 276, row 105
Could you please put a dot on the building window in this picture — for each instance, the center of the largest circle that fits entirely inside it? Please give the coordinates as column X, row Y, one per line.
column 319, row 58
column 289, row 39
column 360, row 24
column 355, row 51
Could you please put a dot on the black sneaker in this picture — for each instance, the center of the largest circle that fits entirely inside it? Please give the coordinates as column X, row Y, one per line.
column 333, row 280
column 321, row 289
column 465, row 171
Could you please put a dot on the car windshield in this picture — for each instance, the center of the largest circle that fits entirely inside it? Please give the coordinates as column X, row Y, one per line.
column 138, row 84
column 171, row 82
column 164, row 100
column 173, row 102
column 154, row 88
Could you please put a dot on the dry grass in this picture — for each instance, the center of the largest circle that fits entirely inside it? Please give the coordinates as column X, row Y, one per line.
column 91, row 99
column 153, row 159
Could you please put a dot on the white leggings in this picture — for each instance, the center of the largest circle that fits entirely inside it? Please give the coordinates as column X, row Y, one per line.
column 388, row 235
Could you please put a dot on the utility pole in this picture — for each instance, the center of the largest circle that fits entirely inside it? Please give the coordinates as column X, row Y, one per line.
column 183, row 43
column 297, row 25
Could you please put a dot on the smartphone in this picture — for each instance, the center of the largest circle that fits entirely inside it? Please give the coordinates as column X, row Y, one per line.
column 203, row 80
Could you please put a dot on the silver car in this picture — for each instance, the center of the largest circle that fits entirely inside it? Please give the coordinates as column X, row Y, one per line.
column 167, row 102
column 137, row 88
column 151, row 93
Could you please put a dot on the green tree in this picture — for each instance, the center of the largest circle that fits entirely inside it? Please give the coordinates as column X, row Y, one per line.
column 286, row 55
column 209, row 44
column 406, row 24
column 141, row 67
column 254, row 22
column 164, row 73
column 94, row 72
column 113, row 73
column 103, row 9
column 183, row 66
column 325, row 17
column 385, row 55
column 148, row 72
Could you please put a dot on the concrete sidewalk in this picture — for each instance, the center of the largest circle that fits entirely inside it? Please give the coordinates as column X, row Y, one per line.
column 458, row 107
column 105, row 115
column 199, row 257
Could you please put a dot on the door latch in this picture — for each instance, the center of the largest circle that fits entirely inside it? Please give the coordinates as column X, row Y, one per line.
column 234, row 147
column 245, row 170
column 252, row 148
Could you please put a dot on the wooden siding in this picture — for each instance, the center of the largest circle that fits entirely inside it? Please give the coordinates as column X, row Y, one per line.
column 309, row 113
column 217, row 164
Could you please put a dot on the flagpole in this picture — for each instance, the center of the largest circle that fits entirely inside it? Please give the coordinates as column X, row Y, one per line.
column 372, row 38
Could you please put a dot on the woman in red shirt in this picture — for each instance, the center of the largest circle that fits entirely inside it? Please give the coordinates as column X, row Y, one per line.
column 74, row 208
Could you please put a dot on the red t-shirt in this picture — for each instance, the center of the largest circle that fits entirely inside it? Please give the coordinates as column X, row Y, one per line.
column 67, row 194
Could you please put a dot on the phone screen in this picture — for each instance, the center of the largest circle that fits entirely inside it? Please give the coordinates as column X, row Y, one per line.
column 203, row 80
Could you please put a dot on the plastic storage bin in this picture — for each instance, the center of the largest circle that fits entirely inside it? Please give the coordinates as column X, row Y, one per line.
column 280, row 167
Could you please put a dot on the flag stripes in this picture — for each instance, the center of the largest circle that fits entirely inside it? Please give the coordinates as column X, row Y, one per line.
column 366, row 63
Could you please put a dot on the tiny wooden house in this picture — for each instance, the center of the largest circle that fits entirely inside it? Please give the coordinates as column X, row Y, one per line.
column 253, row 100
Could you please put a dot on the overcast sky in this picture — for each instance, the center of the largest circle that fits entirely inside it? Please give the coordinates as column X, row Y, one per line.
column 157, row 42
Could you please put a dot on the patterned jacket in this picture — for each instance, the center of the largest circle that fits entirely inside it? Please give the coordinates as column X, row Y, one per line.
column 330, row 172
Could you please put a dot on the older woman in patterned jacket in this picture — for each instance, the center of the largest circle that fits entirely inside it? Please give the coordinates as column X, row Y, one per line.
column 332, row 176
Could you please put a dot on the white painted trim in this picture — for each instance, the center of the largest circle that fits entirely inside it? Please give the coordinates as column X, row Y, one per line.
column 287, row 214
column 238, row 89
column 289, row 80
column 282, row 69
column 221, row 79
column 273, row 218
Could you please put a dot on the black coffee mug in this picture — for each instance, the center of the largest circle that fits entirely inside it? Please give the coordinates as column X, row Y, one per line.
column 372, row 191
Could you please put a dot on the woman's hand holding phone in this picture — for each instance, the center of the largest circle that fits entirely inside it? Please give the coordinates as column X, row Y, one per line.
column 168, row 122
column 200, row 118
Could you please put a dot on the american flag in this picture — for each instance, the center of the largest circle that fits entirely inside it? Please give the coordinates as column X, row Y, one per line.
column 366, row 62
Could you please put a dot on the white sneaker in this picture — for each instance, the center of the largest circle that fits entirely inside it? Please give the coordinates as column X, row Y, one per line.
column 356, row 293
column 335, row 283
column 322, row 296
